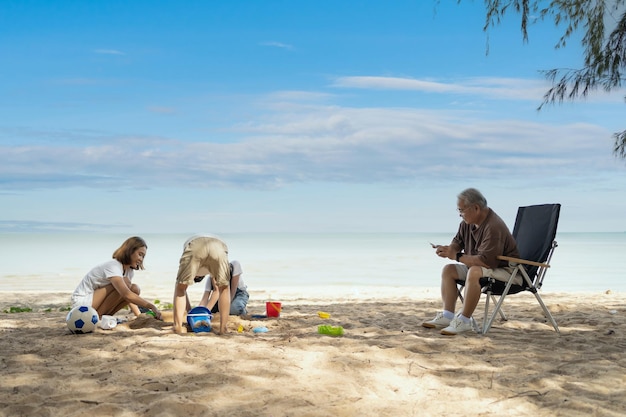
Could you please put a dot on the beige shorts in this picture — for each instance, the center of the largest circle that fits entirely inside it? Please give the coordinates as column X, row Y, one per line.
column 500, row 274
column 203, row 256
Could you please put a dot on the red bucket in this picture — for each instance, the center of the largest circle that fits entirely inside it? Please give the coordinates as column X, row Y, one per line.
column 273, row 308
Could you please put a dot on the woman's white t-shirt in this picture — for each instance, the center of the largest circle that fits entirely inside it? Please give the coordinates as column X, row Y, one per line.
column 99, row 276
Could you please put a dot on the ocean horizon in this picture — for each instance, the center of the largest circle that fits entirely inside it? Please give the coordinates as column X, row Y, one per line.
column 275, row 262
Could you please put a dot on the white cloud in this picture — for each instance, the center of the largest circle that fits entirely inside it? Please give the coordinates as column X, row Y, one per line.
column 108, row 52
column 295, row 95
column 319, row 144
column 277, row 45
column 502, row 88
column 487, row 87
column 13, row 226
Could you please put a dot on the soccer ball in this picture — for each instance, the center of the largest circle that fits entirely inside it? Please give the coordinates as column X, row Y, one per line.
column 82, row 319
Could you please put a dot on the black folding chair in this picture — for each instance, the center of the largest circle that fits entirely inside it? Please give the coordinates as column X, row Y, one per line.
column 534, row 232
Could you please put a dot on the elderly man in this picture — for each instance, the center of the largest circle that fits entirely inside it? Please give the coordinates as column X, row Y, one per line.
column 481, row 238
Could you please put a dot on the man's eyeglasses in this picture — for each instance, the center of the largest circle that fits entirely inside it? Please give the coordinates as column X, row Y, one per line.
column 462, row 210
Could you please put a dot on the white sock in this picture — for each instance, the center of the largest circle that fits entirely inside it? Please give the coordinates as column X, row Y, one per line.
column 464, row 319
column 448, row 314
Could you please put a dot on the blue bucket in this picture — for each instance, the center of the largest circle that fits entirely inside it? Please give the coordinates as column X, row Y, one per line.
column 199, row 319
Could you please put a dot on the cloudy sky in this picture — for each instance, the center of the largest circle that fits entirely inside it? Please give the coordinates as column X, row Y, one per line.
column 278, row 116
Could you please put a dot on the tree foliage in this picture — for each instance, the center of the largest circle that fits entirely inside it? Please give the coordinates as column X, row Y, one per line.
column 604, row 43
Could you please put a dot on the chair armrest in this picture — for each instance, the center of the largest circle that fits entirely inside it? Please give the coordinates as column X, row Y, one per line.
column 522, row 261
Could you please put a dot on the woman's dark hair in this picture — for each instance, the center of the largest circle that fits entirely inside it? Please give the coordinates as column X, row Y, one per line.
column 124, row 252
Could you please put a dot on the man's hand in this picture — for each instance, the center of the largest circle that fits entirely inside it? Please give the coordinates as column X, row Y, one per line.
column 444, row 251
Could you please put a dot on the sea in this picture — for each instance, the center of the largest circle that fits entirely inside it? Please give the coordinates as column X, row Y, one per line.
column 297, row 263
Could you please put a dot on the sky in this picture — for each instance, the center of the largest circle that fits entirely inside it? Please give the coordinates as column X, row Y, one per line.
column 291, row 116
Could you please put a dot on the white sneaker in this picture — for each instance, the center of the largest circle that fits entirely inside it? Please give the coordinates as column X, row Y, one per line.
column 457, row 326
column 438, row 322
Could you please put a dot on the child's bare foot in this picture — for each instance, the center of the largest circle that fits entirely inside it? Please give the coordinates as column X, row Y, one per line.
column 179, row 329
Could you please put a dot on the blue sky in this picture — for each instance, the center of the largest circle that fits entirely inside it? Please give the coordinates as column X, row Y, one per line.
column 304, row 116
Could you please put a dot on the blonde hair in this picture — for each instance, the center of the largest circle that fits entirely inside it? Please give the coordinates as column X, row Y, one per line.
column 130, row 245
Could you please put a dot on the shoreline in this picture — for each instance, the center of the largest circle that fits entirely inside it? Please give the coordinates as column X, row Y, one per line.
column 40, row 300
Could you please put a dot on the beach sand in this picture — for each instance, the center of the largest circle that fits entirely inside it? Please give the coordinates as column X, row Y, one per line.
column 385, row 364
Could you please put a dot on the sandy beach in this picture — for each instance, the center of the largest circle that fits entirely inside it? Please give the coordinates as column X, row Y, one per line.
column 384, row 365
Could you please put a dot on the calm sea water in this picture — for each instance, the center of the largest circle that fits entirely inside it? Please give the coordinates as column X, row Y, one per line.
column 56, row 262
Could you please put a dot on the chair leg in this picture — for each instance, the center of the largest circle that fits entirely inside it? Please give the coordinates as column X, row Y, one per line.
column 493, row 298
column 475, row 325
column 498, row 308
column 547, row 312
column 532, row 288
column 488, row 295
column 486, row 313
column 488, row 322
